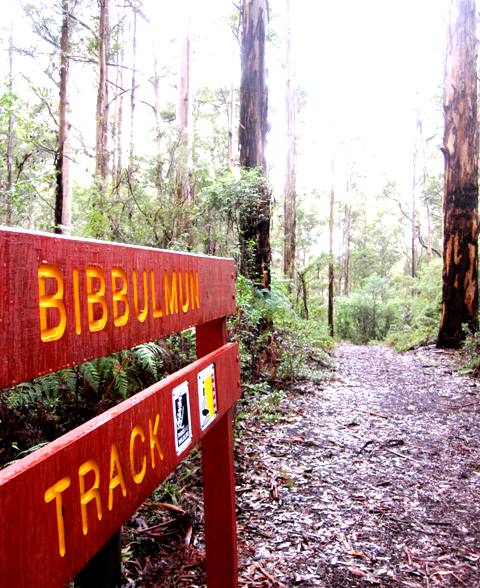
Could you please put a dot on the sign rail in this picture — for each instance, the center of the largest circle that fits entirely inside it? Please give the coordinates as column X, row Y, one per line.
column 64, row 301
column 67, row 300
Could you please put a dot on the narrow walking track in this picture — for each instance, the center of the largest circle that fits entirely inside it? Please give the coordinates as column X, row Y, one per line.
column 372, row 479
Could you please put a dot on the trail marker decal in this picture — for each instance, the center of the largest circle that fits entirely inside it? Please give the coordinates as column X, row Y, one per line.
column 207, row 397
column 181, row 417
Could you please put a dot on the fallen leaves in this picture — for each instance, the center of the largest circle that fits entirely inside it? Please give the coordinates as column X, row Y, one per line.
column 370, row 480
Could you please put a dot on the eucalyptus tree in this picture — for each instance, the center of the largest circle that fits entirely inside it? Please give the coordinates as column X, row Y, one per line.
column 460, row 149
column 102, row 109
column 255, row 250
column 63, row 192
column 289, row 208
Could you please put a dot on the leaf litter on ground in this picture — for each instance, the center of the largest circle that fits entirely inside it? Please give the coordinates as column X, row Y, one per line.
column 371, row 479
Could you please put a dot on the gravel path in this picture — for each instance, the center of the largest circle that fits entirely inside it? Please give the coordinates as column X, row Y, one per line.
column 370, row 480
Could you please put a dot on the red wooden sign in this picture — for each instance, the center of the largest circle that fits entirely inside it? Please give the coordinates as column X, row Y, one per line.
column 67, row 300
column 59, row 505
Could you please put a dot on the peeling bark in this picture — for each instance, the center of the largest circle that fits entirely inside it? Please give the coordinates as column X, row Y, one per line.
column 460, row 149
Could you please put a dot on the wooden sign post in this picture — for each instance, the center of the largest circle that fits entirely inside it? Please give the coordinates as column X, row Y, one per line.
column 63, row 301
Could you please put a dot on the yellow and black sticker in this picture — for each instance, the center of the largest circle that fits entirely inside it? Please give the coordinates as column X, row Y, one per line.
column 207, row 397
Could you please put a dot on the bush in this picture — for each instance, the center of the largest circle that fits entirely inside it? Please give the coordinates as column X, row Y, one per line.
column 275, row 343
column 367, row 313
column 420, row 310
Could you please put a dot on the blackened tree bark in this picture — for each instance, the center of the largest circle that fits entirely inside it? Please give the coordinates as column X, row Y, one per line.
column 460, row 148
column 290, row 196
column 255, row 251
column 63, row 192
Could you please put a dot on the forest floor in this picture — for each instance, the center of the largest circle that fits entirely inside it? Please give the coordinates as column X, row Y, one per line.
column 371, row 479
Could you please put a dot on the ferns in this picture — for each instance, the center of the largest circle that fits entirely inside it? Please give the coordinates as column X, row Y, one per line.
column 48, row 406
column 88, row 371
column 149, row 357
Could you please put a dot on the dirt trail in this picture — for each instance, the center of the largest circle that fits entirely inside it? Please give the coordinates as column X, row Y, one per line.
column 370, row 480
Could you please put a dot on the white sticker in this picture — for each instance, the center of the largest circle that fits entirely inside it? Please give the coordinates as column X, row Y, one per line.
column 207, row 397
column 181, row 417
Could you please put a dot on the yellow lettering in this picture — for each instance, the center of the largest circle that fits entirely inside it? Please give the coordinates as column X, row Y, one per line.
column 55, row 493
column 154, row 442
column 184, row 303
column 76, row 302
column 137, row 476
column 96, row 297
column 119, row 296
column 92, row 493
column 46, row 301
column 170, row 293
column 157, row 312
column 141, row 316
column 194, row 289
column 116, row 476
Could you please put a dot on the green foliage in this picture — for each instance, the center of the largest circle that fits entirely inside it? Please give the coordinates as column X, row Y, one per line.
column 260, row 401
column 33, row 146
column 50, row 405
column 471, row 353
column 367, row 313
column 276, row 344
column 224, row 202
column 420, row 309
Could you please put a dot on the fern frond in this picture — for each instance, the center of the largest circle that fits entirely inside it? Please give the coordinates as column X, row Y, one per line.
column 121, row 384
column 90, row 374
column 147, row 356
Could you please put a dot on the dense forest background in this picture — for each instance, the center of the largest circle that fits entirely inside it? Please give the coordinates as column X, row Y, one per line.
column 129, row 114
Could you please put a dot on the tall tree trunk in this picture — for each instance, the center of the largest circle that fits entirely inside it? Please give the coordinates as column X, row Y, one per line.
column 429, row 231
column 9, row 188
column 346, row 246
column 158, row 124
column 118, row 163
column 101, row 143
column 255, row 251
column 131, row 153
column 290, row 196
column 330, row 264
column 116, row 134
column 303, row 288
column 413, row 222
column 232, row 116
column 63, row 196
column 230, row 119
column 460, row 149
column 184, row 115
column 183, row 157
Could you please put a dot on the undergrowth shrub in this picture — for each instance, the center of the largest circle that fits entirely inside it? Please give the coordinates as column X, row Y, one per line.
column 367, row 313
column 420, row 306
column 276, row 344
column 46, row 407
column 471, row 353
